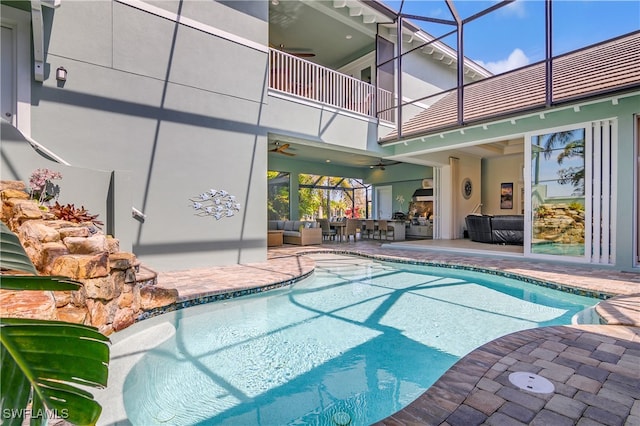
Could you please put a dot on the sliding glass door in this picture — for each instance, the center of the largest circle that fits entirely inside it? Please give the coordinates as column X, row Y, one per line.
column 558, row 193
column 569, row 192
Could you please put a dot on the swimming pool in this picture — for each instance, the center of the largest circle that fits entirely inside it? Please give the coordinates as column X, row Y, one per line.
column 352, row 344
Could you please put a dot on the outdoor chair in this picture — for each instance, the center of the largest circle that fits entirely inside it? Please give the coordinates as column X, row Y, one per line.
column 327, row 231
column 384, row 227
column 351, row 229
column 368, row 229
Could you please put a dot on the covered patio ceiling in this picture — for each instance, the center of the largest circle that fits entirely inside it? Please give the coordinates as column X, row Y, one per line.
column 328, row 154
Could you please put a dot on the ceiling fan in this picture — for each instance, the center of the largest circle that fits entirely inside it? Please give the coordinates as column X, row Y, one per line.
column 382, row 165
column 296, row 51
column 281, row 149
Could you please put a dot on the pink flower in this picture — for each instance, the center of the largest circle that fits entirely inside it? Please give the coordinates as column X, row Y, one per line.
column 41, row 186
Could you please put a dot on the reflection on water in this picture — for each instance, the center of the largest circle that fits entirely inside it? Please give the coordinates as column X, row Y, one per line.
column 355, row 343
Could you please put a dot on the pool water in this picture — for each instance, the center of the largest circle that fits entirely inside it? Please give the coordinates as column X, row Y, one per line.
column 354, row 343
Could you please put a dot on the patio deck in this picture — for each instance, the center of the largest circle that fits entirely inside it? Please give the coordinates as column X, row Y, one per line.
column 595, row 368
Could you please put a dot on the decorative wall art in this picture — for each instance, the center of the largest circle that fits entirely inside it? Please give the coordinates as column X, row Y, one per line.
column 216, row 203
column 506, row 195
column 467, row 188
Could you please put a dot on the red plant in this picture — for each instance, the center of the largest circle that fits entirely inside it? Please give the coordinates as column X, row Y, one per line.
column 74, row 214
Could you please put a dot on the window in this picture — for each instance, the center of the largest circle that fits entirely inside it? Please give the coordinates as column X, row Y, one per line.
column 278, row 195
column 330, row 196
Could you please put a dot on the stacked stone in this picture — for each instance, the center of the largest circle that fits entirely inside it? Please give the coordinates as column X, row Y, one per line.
column 559, row 223
column 111, row 298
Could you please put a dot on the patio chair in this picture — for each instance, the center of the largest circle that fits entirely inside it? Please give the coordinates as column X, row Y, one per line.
column 384, row 227
column 327, row 231
column 351, row 229
column 368, row 229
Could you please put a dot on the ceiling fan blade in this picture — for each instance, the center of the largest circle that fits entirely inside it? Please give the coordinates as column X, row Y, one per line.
column 280, row 149
column 296, row 51
column 382, row 164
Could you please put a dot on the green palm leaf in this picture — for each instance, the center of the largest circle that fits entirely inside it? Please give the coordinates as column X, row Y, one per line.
column 39, row 283
column 13, row 255
column 48, row 357
column 43, row 360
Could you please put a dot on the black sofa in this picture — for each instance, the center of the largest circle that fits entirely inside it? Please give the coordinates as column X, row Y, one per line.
column 501, row 229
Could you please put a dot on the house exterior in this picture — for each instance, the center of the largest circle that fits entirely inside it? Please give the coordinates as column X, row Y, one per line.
column 166, row 119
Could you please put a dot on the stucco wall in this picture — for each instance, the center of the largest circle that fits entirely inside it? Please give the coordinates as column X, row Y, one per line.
column 177, row 107
column 498, row 170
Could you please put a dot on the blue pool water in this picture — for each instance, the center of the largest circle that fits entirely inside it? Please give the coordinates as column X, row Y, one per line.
column 352, row 344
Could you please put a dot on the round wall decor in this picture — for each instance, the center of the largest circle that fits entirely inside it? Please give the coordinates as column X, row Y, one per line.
column 467, row 188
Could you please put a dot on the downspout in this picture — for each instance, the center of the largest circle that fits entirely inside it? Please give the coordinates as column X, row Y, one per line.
column 37, row 30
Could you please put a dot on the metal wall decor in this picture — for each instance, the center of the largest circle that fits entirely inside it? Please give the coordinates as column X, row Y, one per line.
column 216, row 203
column 467, row 188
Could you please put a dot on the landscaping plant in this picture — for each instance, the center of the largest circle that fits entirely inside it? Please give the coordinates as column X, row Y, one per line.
column 42, row 360
column 41, row 187
column 71, row 213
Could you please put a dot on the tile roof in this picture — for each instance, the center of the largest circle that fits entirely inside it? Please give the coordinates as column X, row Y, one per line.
column 606, row 68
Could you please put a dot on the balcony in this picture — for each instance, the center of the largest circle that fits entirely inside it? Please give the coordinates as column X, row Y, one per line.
column 293, row 75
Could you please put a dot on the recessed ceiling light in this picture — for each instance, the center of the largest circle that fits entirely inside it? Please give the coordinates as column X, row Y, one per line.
column 348, row 36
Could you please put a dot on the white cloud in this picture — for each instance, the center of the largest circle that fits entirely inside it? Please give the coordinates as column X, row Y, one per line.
column 516, row 59
column 517, row 9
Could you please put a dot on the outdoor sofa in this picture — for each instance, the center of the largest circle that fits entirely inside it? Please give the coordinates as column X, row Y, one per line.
column 298, row 231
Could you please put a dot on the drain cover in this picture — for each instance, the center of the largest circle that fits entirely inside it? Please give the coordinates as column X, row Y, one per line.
column 341, row 418
column 531, row 382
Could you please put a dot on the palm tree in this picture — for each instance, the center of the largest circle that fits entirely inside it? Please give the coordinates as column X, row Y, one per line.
column 572, row 148
column 555, row 139
column 572, row 175
column 43, row 360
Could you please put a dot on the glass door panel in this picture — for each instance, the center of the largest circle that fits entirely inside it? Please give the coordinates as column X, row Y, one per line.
column 558, row 193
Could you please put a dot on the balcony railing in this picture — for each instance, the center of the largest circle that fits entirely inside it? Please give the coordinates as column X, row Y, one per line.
column 299, row 77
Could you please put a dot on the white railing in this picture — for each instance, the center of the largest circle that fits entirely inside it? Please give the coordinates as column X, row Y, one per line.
column 296, row 76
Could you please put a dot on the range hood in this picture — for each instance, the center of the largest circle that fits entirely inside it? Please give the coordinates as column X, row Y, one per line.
column 423, row 194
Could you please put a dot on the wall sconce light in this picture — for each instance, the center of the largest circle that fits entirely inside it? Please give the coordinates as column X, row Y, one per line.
column 61, row 74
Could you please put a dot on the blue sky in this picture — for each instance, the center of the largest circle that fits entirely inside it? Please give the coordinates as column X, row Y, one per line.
column 514, row 35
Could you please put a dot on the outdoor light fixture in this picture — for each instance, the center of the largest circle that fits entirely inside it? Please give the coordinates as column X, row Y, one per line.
column 61, row 74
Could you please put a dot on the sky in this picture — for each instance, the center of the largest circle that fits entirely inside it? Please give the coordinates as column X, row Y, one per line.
column 514, row 35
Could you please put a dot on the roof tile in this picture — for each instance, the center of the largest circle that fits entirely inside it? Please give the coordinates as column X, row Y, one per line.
column 603, row 68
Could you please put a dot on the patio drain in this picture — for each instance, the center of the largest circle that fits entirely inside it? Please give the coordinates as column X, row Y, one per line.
column 531, row 382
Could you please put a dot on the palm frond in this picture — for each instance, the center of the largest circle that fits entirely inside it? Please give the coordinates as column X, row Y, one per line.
column 37, row 282
column 43, row 361
column 49, row 357
column 13, row 255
